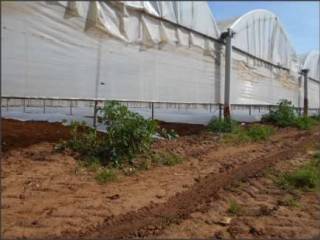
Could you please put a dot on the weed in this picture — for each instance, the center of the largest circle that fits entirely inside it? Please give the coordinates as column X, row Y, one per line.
column 166, row 158
column 304, row 123
column 257, row 133
column 283, row 116
column 254, row 133
column 306, row 178
column 223, row 126
column 106, row 175
column 234, row 207
column 168, row 134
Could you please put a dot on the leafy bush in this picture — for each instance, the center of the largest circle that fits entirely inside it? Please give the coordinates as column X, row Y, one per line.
column 128, row 133
column 304, row 123
column 223, row 126
column 106, row 175
column 283, row 116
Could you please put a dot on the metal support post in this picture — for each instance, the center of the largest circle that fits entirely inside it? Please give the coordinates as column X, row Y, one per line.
column 44, row 106
column 228, row 67
column 152, row 111
column 95, row 114
column 71, row 107
column 304, row 72
column 24, row 105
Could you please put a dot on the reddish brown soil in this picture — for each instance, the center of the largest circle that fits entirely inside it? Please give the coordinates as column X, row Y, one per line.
column 183, row 128
column 266, row 211
column 45, row 193
column 22, row 134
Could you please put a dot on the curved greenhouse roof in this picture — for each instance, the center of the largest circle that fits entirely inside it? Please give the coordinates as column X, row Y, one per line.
column 312, row 62
column 260, row 33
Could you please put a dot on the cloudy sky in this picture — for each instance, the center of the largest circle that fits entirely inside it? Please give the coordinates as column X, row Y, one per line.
column 300, row 19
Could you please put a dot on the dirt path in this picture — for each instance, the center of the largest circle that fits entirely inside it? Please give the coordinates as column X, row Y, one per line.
column 46, row 194
column 265, row 211
column 152, row 219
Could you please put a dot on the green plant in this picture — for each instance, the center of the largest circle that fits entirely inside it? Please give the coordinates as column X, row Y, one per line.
column 253, row 133
column 166, row 158
column 169, row 134
column 223, row 126
column 283, row 116
column 304, row 123
column 234, row 207
column 106, row 175
column 304, row 178
column 128, row 133
column 257, row 133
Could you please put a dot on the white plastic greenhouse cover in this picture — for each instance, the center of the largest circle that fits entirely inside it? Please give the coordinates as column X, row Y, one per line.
column 260, row 33
column 312, row 62
column 110, row 50
column 139, row 51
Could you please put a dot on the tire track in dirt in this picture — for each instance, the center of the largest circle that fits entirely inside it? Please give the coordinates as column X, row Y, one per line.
column 152, row 219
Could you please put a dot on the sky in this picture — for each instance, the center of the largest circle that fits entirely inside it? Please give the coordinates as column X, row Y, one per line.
column 300, row 19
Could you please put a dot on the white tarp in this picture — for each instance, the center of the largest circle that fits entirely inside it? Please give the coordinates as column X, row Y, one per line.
column 114, row 50
column 260, row 33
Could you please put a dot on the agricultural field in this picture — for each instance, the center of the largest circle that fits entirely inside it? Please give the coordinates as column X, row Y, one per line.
column 162, row 180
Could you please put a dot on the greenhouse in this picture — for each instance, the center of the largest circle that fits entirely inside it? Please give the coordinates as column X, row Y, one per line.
column 147, row 52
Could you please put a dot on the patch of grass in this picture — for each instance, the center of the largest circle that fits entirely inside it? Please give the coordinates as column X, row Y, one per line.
column 223, row 126
column 106, row 175
column 258, row 133
column 306, row 178
column 166, row 158
column 305, row 123
column 251, row 134
column 234, row 207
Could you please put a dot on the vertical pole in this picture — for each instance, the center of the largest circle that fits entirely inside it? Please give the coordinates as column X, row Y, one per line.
column 71, row 107
column 44, row 106
column 95, row 114
column 305, row 95
column 24, row 105
column 220, row 111
column 228, row 67
column 152, row 111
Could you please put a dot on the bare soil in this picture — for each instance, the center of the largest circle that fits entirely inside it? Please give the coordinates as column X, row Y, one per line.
column 47, row 194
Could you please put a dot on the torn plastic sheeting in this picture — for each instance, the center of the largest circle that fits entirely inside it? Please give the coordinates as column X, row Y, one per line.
column 103, row 17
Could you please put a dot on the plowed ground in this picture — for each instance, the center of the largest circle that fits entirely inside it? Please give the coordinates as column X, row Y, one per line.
column 47, row 194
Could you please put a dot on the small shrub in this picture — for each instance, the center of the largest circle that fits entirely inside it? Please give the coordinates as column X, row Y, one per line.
column 128, row 133
column 223, row 126
column 305, row 178
column 234, row 208
column 304, row 123
column 257, row 133
column 106, row 175
column 283, row 116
